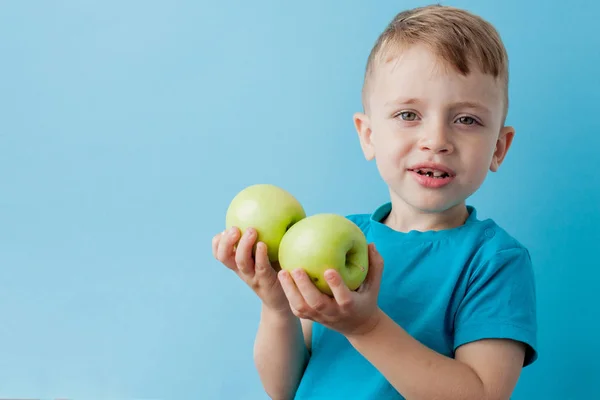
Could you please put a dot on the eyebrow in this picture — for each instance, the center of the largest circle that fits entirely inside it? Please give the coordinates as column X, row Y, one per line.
column 402, row 100
column 461, row 104
column 471, row 104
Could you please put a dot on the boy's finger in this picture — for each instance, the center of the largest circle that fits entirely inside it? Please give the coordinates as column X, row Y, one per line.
column 376, row 265
column 216, row 240
column 225, row 250
column 243, row 254
column 313, row 296
column 215, row 243
column 297, row 303
column 373, row 279
column 341, row 292
column 262, row 265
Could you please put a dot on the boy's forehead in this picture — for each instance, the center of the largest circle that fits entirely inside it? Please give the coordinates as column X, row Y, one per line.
column 418, row 73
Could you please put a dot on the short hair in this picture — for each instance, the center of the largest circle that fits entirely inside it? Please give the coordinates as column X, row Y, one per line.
column 458, row 37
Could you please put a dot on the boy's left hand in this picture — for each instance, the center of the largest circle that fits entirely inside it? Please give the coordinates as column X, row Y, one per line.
column 348, row 312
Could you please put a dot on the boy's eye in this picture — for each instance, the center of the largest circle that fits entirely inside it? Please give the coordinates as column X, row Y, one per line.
column 408, row 115
column 467, row 120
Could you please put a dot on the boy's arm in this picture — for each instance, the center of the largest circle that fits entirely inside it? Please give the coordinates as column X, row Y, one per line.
column 482, row 370
column 281, row 346
column 281, row 352
column 500, row 303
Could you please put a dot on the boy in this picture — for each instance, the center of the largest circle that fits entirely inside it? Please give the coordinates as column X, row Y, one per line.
column 453, row 314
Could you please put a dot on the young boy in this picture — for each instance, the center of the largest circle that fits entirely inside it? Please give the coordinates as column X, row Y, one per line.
column 453, row 314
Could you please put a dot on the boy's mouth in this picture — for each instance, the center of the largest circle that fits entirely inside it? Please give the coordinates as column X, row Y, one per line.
column 432, row 173
column 433, row 170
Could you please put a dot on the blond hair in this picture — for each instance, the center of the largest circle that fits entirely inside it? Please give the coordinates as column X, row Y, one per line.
column 459, row 38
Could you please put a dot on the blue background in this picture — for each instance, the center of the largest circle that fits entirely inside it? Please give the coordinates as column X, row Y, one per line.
column 127, row 127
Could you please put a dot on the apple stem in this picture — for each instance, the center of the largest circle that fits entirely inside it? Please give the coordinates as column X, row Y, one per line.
column 359, row 266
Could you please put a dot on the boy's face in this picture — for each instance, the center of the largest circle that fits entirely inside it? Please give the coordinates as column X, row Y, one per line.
column 433, row 133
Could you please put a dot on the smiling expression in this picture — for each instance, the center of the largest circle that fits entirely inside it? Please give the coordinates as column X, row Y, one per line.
column 433, row 132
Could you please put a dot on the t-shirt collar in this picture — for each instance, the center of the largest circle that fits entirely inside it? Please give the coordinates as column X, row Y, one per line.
column 382, row 211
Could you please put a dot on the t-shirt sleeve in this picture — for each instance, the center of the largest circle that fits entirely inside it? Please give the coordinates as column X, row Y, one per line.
column 500, row 302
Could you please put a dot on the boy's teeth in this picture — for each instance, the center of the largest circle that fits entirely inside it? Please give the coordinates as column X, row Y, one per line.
column 432, row 173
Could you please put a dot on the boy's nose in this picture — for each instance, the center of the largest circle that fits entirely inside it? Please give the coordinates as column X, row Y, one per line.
column 436, row 147
column 436, row 141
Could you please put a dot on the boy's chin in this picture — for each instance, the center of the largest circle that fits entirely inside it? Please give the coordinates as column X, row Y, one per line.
column 438, row 206
column 440, row 202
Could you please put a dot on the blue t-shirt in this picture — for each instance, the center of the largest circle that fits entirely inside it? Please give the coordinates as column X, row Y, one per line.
column 445, row 288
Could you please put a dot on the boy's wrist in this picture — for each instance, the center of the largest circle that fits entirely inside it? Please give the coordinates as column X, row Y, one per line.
column 277, row 316
column 368, row 327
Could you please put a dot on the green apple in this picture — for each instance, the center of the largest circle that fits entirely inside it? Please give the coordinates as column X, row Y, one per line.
column 267, row 208
column 326, row 241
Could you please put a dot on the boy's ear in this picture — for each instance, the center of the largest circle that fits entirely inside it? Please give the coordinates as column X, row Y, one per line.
column 362, row 124
column 502, row 145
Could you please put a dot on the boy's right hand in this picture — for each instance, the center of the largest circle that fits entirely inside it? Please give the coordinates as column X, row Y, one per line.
column 257, row 272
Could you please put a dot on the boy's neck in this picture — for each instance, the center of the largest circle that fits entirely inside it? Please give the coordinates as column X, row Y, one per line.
column 404, row 218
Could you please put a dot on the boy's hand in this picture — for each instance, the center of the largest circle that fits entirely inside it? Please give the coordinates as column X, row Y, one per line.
column 348, row 312
column 256, row 271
